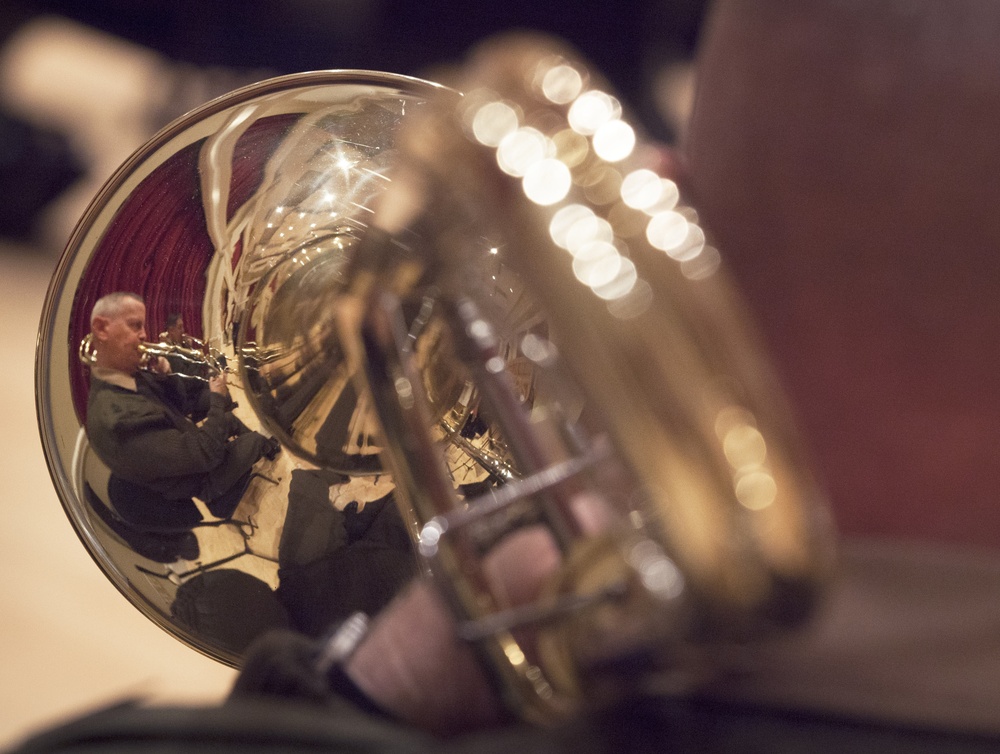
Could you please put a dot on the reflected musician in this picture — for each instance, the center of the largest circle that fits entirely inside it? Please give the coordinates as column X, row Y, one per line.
column 151, row 431
column 174, row 335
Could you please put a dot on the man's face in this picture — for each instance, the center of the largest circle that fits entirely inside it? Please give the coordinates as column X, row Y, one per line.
column 176, row 331
column 118, row 337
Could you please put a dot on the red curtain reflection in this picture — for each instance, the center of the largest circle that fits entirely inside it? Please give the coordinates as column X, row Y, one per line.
column 158, row 246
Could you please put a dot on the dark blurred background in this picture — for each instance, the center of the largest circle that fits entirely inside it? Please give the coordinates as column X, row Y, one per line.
column 626, row 38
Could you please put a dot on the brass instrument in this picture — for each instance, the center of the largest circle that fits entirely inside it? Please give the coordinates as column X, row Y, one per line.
column 496, row 299
column 205, row 362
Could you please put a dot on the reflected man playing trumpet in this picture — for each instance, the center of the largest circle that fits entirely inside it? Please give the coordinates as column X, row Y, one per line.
column 174, row 332
column 157, row 438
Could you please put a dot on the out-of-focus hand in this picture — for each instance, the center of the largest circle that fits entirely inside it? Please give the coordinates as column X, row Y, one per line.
column 413, row 664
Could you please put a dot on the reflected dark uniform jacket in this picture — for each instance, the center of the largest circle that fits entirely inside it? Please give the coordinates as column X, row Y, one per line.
column 145, row 436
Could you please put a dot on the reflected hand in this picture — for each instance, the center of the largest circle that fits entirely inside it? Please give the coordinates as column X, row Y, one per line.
column 160, row 366
column 217, row 384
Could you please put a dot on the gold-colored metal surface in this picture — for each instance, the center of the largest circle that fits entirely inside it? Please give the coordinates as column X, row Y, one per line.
column 203, row 361
column 683, row 509
column 493, row 305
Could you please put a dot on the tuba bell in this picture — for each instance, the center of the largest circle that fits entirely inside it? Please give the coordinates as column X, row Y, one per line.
column 496, row 301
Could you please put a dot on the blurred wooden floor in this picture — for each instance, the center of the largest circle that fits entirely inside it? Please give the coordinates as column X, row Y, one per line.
column 69, row 641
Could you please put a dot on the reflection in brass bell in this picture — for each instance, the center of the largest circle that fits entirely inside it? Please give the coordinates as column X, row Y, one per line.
column 244, row 216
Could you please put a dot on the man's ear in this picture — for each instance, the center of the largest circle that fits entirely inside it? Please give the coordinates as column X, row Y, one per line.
column 99, row 327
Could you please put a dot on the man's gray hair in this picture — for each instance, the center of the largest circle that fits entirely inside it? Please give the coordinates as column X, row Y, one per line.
column 110, row 306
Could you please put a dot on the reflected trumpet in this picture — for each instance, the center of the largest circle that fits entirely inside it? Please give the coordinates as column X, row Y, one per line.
column 200, row 364
column 496, row 299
